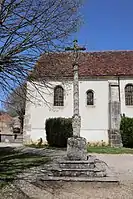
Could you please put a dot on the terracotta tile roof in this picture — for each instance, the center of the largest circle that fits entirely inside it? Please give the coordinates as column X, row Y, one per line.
column 108, row 63
column 4, row 117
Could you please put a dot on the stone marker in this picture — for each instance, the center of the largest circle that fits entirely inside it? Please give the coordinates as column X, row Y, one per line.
column 76, row 146
column 76, row 165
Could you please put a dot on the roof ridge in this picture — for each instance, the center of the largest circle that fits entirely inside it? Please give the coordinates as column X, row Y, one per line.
column 85, row 52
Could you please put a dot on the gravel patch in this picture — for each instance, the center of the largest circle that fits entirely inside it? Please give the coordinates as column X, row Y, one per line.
column 121, row 165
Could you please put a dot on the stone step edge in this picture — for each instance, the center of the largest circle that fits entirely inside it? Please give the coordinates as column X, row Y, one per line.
column 78, row 162
column 88, row 169
column 81, row 179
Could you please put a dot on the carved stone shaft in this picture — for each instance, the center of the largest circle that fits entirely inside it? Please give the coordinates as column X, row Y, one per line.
column 76, row 122
column 76, row 91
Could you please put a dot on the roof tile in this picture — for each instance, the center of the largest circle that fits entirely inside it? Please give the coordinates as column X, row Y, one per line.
column 108, row 63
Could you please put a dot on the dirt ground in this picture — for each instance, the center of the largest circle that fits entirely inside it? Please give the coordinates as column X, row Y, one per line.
column 75, row 190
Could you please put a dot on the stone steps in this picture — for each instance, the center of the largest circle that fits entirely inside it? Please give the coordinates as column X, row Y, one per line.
column 88, row 164
column 107, row 179
column 95, row 170
column 77, row 161
column 79, row 168
column 78, row 172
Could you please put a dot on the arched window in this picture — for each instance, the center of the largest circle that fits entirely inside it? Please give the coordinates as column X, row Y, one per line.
column 129, row 94
column 90, row 97
column 58, row 96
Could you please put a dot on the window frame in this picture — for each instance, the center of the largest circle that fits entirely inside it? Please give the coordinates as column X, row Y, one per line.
column 91, row 92
column 128, row 97
column 58, row 102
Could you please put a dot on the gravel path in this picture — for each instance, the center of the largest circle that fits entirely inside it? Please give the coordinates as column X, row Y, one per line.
column 26, row 190
column 121, row 165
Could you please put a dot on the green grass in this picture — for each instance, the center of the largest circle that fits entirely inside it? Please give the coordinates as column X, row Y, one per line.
column 13, row 163
column 93, row 149
column 109, row 150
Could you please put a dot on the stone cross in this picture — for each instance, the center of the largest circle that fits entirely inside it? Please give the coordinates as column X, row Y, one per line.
column 76, row 121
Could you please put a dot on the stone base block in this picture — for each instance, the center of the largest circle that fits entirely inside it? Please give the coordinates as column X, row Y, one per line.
column 77, row 148
column 115, row 138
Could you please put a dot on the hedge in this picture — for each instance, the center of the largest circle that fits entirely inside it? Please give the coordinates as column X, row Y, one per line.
column 58, row 130
column 126, row 128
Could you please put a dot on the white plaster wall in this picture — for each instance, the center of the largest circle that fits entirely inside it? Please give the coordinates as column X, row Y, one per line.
column 94, row 123
column 128, row 110
column 95, row 135
column 42, row 108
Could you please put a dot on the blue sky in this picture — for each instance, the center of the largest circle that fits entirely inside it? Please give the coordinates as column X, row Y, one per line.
column 108, row 25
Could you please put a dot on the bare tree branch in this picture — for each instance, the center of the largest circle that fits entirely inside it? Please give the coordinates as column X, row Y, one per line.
column 29, row 28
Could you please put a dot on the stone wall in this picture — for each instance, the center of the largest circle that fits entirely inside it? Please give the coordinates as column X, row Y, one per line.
column 114, row 116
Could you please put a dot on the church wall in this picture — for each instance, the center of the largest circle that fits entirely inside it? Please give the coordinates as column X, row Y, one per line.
column 94, row 124
column 123, row 81
column 127, row 110
column 41, row 110
column 95, row 118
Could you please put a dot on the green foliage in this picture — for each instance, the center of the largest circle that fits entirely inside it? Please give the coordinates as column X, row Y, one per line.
column 58, row 130
column 126, row 128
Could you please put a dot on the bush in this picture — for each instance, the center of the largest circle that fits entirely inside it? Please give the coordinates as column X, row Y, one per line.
column 58, row 130
column 126, row 128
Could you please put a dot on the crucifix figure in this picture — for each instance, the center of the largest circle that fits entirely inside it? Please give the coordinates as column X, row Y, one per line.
column 76, row 121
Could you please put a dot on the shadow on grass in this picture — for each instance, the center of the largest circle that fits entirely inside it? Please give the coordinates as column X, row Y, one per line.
column 13, row 163
column 46, row 146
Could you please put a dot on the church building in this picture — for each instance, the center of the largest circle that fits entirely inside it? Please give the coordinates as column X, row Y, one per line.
column 105, row 93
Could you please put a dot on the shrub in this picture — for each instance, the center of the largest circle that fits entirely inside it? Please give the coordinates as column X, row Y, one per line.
column 126, row 128
column 58, row 130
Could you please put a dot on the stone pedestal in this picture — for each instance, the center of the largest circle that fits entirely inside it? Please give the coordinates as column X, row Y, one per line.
column 115, row 138
column 77, row 165
column 86, row 168
column 77, row 148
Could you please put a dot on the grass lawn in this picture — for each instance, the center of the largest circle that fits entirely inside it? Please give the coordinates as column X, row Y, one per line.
column 13, row 163
column 93, row 149
column 109, row 150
